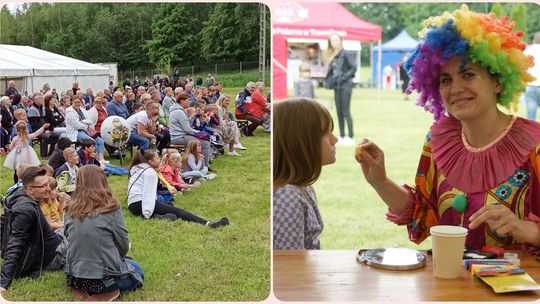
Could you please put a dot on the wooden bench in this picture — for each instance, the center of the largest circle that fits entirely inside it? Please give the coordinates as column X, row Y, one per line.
column 242, row 123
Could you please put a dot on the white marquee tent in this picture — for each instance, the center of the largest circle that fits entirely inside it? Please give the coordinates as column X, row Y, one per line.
column 30, row 68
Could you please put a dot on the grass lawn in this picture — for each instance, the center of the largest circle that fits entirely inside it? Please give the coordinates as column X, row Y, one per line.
column 190, row 262
column 353, row 214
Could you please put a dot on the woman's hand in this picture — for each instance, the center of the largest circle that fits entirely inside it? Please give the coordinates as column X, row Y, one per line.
column 371, row 158
column 503, row 221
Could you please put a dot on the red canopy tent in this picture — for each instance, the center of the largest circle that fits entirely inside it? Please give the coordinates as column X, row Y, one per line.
column 312, row 20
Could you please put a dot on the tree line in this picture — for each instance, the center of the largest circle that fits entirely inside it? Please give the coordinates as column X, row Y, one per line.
column 394, row 17
column 142, row 35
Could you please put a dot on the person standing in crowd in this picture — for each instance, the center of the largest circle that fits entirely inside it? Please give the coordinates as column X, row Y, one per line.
column 12, row 89
column 341, row 69
column 532, row 95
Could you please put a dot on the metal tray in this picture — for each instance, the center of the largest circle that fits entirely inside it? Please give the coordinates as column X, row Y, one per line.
column 392, row 258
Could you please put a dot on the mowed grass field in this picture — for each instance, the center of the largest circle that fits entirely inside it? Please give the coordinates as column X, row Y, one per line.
column 353, row 214
column 190, row 262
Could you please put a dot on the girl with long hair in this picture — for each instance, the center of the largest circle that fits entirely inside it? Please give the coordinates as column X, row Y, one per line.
column 193, row 162
column 20, row 148
column 142, row 193
column 301, row 147
column 341, row 69
column 96, row 264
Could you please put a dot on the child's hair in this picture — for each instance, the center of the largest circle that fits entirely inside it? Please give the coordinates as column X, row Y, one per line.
column 297, row 142
column 191, row 111
column 211, row 107
column 141, row 158
column 67, row 152
column 48, row 168
column 21, row 129
column 17, row 113
column 94, row 198
column 52, row 182
column 87, row 142
column 304, row 67
column 191, row 149
column 170, row 157
column 20, row 170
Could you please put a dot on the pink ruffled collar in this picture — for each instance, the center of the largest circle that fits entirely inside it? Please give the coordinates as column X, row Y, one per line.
column 478, row 169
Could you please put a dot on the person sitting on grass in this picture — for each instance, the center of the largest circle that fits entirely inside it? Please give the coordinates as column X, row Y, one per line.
column 53, row 206
column 193, row 162
column 67, row 173
column 57, row 157
column 18, row 184
column 97, row 268
column 142, row 193
column 29, row 245
column 171, row 163
column 48, row 169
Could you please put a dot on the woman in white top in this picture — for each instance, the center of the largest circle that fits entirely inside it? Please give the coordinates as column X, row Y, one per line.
column 78, row 127
column 142, row 193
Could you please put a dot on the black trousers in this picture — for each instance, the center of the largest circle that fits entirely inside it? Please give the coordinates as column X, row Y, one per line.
column 342, row 98
column 164, row 208
column 255, row 122
column 47, row 143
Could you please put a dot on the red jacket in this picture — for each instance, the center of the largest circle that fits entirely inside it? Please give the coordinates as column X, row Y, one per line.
column 173, row 177
column 257, row 105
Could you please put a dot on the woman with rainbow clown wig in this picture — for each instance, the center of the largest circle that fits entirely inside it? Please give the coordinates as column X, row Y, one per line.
column 479, row 167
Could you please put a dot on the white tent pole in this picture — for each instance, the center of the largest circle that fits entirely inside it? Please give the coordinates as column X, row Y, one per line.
column 379, row 64
column 371, row 63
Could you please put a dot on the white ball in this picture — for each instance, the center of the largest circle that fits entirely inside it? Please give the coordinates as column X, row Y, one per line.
column 115, row 131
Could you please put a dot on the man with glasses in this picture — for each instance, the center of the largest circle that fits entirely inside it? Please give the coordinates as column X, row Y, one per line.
column 29, row 245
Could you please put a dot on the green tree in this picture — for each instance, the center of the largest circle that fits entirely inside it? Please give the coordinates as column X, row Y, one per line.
column 174, row 35
column 231, row 32
column 518, row 16
column 497, row 9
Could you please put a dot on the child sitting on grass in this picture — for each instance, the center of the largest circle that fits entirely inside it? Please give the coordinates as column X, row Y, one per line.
column 193, row 162
column 171, row 163
column 53, row 206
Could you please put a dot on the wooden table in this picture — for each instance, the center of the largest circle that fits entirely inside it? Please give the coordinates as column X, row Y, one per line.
column 335, row 275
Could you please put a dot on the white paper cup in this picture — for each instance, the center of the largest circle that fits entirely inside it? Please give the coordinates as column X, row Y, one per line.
column 448, row 243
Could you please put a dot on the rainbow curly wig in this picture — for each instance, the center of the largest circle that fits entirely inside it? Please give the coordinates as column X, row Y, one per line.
column 481, row 38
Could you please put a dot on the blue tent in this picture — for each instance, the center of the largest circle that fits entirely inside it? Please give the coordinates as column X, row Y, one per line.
column 393, row 51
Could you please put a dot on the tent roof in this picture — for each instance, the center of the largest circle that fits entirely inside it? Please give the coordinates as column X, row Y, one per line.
column 319, row 20
column 21, row 60
column 402, row 42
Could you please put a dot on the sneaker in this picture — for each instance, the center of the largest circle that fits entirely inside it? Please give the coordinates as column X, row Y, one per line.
column 239, row 147
column 166, row 216
column 349, row 141
column 210, row 176
column 218, row 223
column 233, row 153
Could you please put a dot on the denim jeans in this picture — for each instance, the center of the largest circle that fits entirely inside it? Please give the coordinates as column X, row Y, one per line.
column 100, row 144
column 128, row 282
column 532, row 96
column 142, row 142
